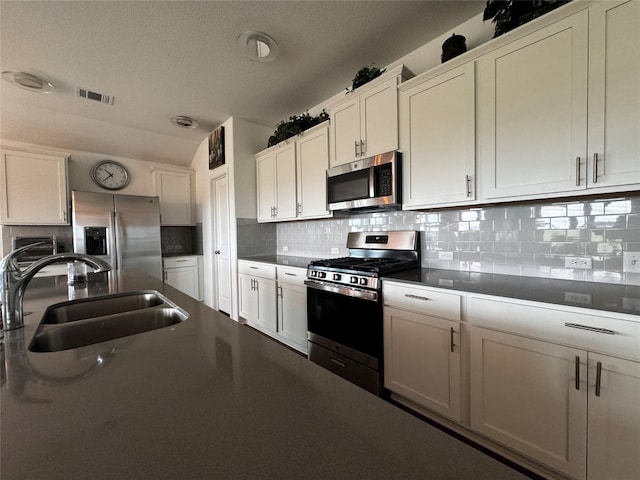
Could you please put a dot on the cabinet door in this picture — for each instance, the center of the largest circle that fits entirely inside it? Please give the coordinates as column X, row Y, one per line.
column 285, row 159
column 532, row 99
column 532, row 397
column 292, row 315
column 266, row 185
column 248, row 298
column 439, row 150
column 614, row 93
column 312, row 161
column 266, row 314
column 184, row 279
column 34, row 189
column 174, row 190
column 345, row 131
column 614, row 418
column 422, row 360
column 379, row 119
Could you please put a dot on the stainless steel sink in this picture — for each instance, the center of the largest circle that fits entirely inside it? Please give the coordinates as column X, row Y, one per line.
column 101, row 306
column 89, row 321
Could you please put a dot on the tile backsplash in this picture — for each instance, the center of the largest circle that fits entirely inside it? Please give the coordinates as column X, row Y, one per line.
column 515, row 239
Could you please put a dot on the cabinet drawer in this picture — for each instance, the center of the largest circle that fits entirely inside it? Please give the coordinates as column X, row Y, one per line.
column 292, row 275
column 422, row 300
column 174, row 262
column 596, row 332
column 257, row 269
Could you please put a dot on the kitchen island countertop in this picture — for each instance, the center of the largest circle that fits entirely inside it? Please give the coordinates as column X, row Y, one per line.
column 207, row 398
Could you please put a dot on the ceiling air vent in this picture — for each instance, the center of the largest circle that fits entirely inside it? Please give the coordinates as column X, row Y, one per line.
column 98, row 97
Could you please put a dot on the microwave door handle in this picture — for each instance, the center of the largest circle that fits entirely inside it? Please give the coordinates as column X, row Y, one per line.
column 372, row 181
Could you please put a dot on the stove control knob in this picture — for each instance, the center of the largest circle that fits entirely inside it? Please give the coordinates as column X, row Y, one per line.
column 337, row 276
column 363, row 281
column 313, row 273
column 322, row 274
column 353, row 280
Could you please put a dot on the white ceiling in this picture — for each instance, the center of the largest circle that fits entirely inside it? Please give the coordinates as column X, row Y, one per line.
column 165, row 58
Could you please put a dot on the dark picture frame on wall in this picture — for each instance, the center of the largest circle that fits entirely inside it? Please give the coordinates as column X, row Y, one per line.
column 216, row 148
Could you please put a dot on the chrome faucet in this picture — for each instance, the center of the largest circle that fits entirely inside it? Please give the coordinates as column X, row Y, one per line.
column 13, row 281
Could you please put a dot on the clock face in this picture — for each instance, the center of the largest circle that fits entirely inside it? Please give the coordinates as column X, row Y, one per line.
column 110, row 175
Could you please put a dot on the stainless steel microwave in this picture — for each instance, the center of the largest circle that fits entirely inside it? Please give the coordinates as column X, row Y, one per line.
column 368, row 184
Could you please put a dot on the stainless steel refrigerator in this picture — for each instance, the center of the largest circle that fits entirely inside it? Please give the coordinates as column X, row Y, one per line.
column 123, row 230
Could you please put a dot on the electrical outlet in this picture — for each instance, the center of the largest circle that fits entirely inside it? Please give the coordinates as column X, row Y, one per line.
column 585, row 263
column 445, row 255
column 285, row 248
column 631, row 262
column 335, row 250
column 580, row 298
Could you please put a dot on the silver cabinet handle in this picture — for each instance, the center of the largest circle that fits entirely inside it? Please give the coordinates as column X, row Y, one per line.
column 181, row 261
column 299, row 208
column 217, row 252
column 363, row 147
column 290, row 274
column 577, row 372
column 606, row 331
column 275, row 211
column 577, row 171
column 279, row 291
column 357, row 153
column 467, row 180
column 337, row 362
column 451, row 332
column 595, row 168
column 416, row 297
column 598, row 378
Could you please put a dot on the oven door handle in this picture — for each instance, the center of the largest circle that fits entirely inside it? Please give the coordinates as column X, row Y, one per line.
column 360, row 293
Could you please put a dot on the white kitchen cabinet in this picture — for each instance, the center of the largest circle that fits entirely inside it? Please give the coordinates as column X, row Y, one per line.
column 438, row 149
column 292, row 307
column 182, row 273
column 614, row 94
column 34, row 188
column 524, row 394
column 614, row 418
column 365, row 123
column 276, row 178
column 534, row 374
column 532, row 107
column 312, row 161
column 258, row 295
column 291, row 178
column 422, row 347
column 558, row 108
column 174, row 187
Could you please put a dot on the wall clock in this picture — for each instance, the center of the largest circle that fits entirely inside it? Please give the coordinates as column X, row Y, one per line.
column 110, row 175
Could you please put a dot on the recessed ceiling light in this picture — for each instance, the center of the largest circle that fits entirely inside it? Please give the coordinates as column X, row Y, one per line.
column 28, row 81
column 183, row 121
column 257, row 46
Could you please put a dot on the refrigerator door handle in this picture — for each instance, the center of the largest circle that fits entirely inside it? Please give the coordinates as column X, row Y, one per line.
column 119, row 233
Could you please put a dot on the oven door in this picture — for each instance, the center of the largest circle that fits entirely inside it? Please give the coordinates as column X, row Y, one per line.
column 345, row 337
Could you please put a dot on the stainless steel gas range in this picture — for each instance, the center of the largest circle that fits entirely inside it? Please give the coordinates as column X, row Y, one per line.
column 344, row 304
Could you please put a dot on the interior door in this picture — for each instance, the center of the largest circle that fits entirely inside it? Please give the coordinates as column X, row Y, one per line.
column 221, row 243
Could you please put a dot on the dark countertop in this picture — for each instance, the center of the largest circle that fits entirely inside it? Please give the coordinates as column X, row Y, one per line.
column 207, row 398
column 601, row 296
column 283, row 260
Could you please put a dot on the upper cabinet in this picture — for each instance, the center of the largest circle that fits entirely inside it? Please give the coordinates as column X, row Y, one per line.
column 34, row 188
column 557, row 109
column 614, row 94
column 175, row 189
column 291, row 177
column 365, row 123
column 438, row 150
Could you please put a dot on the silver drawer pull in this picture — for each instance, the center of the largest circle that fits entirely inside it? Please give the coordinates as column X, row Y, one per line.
column 340, row 363
column 590, row 329
column 254, row 268
column 290, row 274
column 416, row 297
column 180, row 261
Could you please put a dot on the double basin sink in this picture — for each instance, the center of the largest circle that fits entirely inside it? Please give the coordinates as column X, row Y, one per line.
column 88, row 321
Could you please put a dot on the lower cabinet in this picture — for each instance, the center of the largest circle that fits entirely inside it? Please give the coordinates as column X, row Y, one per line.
column 422, row 348
column 274, row 301
column 182, row 273
column 555, row 388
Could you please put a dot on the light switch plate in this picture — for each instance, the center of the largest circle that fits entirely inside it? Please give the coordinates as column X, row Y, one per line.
column 631, row 262
column 335, row 250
